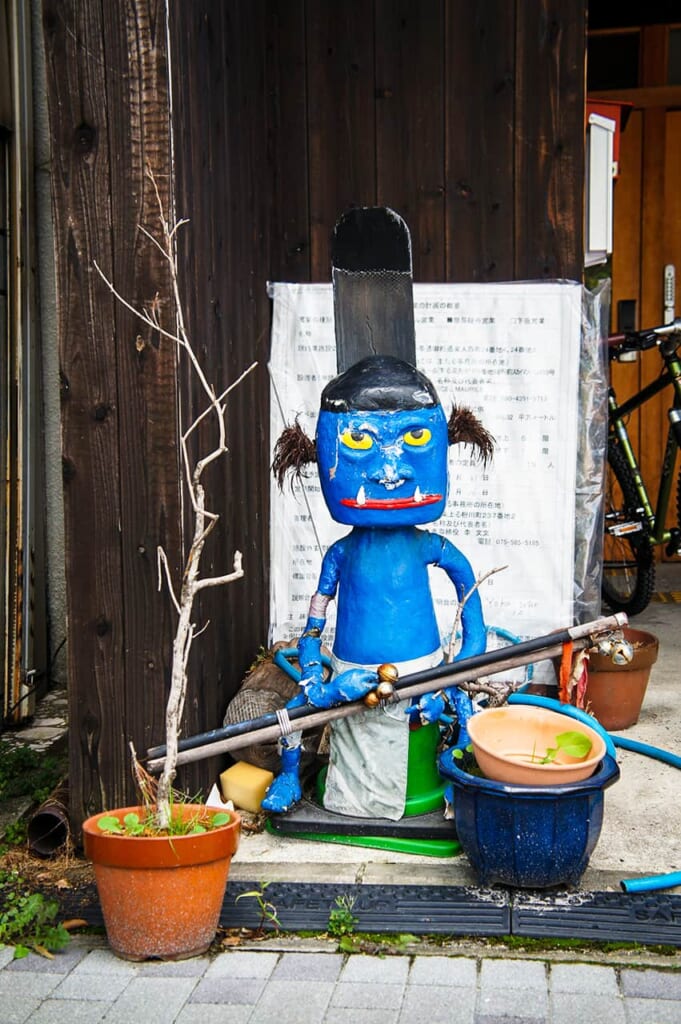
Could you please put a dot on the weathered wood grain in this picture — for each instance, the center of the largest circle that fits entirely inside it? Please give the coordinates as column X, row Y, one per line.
column 410, row 141
column 480, row 139
column 549, row 140
column 341, row 118
column 108, row 113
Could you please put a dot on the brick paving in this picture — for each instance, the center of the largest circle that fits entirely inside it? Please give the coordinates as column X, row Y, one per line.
column 88, row 984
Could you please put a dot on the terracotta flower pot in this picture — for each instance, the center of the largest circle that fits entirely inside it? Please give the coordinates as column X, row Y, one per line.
column 615, row 693
column 161, row 896
column 510, row 743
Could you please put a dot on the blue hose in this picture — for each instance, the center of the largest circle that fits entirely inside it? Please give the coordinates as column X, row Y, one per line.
column 651, row 882
column 643, row 748
column 565, row 709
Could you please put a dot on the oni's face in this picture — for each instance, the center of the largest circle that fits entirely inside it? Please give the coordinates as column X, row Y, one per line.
column 384, row 469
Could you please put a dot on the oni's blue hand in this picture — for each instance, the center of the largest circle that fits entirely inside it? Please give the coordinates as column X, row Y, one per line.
column 351, row 685
column 430, row 708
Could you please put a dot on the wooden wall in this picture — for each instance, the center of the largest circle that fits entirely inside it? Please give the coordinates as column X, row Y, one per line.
column 467, row 118
column 107, row 73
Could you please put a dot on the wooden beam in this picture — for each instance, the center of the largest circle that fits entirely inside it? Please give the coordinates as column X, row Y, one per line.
column 641, row 99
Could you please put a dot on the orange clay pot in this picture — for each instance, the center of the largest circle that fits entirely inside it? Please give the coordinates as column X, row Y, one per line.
column 161, row 896
column 509, row 743
column 614, row 693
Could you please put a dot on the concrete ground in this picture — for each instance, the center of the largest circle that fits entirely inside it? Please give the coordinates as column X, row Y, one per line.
column 641, row 832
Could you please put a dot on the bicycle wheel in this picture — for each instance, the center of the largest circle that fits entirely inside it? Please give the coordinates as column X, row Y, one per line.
column 628, row 563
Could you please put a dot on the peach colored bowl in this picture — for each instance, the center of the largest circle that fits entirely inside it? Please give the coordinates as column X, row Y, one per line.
column 509, row 743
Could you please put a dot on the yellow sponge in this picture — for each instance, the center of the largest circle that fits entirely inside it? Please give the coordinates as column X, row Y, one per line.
column 245, row 785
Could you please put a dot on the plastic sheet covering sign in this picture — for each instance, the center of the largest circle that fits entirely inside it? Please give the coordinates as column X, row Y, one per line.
column 510, row 352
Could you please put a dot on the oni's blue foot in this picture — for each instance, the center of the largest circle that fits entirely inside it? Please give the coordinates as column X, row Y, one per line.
column 285, row 790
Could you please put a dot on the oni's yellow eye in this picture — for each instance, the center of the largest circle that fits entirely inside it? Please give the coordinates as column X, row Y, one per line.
column 418, row 437
column 358, row 440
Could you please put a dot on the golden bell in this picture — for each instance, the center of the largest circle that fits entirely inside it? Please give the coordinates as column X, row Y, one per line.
column 385, row 690
column 372, row 699
column 387, row 673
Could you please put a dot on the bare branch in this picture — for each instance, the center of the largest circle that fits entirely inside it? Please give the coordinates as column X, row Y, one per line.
column 163, row 567
column 218, row 581
column 449, row 656
column 141, row 315
column 204, row 521
column 178, row 224
column 153, row 239
column 218, row 401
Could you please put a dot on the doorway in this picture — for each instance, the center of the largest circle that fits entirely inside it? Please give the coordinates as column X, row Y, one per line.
column 641, row 65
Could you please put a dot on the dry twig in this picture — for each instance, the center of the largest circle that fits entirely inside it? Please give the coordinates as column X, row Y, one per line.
column 204, row 519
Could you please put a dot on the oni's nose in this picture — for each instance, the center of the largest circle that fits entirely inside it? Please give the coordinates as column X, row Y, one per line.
column 391, row 470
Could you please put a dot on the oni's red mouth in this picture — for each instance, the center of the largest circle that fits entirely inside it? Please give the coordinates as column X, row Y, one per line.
column 390, row 503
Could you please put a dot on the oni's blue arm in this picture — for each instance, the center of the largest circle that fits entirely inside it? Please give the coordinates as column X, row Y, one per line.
column 433, row 706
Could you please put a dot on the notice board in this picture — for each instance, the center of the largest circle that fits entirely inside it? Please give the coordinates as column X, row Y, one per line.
column 511, row 353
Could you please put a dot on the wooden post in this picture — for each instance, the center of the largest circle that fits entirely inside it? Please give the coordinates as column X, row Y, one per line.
column 108, row 99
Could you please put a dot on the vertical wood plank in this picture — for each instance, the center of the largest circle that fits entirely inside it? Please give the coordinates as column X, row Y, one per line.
column 90, row 446
column 341, row 118
column 409, row 125
column 549, row 132
column 653, row 421
column 626, row 255
column 287, row 206
column 138, row 132
column 480, row 64
column 238, row 86
column 104, row 74
column 671, row 246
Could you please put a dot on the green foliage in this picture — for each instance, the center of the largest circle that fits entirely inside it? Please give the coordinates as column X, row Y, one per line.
column 342, row 921
column 268, row 911
column 27, row 772
column 16, row 833
column 574, row 744
column 27, row 919
column 134, row 825
column 380, row 945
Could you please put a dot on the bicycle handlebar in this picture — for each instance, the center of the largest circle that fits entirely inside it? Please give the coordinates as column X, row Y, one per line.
column 639, row 341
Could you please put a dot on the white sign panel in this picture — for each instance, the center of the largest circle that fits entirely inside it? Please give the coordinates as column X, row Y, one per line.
column 510, row 352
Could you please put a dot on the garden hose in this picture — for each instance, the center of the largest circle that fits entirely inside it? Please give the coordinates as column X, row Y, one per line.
column 633, row 885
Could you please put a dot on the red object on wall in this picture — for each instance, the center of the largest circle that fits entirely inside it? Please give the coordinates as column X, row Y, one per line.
column 617, row 112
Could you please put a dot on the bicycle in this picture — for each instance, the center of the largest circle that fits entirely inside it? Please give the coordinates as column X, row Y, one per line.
column 633, row 526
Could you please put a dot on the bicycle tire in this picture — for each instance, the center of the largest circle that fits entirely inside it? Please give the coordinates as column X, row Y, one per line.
column 678, row 500
column 628, row 563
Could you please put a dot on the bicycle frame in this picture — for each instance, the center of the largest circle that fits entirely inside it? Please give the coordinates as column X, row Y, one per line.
column 657, row 515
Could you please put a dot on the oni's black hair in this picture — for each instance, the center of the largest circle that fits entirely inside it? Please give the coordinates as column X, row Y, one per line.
column 379, row 382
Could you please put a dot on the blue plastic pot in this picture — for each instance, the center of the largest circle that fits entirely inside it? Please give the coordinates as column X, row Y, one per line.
column 529, row 837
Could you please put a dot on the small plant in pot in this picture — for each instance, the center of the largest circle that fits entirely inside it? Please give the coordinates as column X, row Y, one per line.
column 526, row 745
column 161, row 867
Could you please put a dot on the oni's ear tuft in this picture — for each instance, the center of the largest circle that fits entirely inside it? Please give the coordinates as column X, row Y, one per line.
column 464, row 427
column 293, row 451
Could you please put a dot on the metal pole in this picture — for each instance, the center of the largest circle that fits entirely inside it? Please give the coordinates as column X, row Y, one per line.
column 268, row 727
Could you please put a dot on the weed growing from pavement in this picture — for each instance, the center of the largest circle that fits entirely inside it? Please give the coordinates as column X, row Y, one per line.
column 27, row 919
column 342, row 921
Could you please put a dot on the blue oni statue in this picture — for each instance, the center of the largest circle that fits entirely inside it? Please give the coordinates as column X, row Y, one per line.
column 381, row 449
